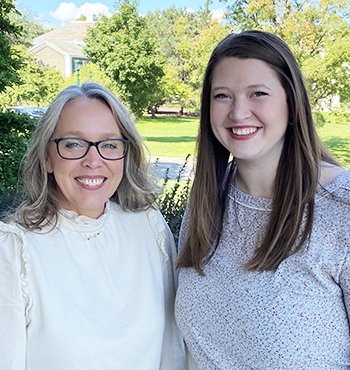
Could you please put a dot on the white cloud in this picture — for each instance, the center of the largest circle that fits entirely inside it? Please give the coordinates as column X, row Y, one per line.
column 189, row 10
column 96, row 8
column 65, row 12
column 69, row 11
column 218, row 14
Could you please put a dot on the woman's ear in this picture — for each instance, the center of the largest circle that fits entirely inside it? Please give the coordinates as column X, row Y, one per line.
column 49, row 168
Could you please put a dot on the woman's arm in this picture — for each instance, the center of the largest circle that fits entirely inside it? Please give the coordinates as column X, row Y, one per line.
column 12, row 300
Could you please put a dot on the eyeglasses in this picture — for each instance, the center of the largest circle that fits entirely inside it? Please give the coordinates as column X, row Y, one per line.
column 77, row 148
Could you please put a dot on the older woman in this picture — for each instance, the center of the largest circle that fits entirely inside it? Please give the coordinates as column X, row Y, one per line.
column 86, row 262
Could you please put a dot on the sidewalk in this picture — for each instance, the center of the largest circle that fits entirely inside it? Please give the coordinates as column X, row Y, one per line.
column 174, row 165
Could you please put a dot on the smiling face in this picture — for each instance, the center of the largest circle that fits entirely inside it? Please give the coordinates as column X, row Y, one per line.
column 248, row 110
column 85, row 184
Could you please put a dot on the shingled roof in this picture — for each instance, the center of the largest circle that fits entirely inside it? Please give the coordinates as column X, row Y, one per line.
column 61, row 47
column 73, row 32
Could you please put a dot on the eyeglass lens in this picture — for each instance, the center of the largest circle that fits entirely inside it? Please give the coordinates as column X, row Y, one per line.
column 72, row 148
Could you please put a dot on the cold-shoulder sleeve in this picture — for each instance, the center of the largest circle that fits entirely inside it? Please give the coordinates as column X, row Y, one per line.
column 14, row 298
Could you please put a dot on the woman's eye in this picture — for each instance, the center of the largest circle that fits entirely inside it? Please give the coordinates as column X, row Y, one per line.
column 73, row 145
column 110, row 145
column 221, row 96
column 260, row 93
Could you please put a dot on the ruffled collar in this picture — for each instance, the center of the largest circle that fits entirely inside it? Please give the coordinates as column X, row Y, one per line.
column 71, row 221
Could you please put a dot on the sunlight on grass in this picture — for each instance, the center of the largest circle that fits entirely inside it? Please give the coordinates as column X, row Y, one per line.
column 169, row 136
column 337, row 138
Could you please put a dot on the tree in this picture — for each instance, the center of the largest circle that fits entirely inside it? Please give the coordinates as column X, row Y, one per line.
column 195, row 44
column 10, row 61
column 26, row 20
column 90, row 72
column 162, row 23
column 318, row 33
column 39, row 83
column 186, row 40
column 124, row 47
column 15, row 131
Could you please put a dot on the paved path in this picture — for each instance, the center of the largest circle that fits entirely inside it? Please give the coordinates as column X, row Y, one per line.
column 161, row 164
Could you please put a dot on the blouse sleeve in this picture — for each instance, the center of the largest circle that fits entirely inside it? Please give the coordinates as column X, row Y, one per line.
column 14, row 298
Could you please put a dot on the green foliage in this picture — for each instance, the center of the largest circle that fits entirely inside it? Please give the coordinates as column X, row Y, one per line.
column 173, row 201
column 9, row 200
column 28, row 21
column 10, row 61
column 15, row 131
column 318, row 33
column 318, row 119
column 81, row 18
column 90, row 72
column 124, row 47
column 39, row 83
column 186, row 39
column 174, row 85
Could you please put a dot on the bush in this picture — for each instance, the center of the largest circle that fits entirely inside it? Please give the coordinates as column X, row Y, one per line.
column 173, row 201
column 15, row 132
column 10, row 199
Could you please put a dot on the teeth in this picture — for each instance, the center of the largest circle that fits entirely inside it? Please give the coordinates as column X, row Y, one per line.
column 244, row 131
column 90, row 182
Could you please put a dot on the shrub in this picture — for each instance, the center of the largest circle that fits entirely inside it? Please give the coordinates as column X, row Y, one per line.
column 15, row 132
column 10, row 199
column 173, row 201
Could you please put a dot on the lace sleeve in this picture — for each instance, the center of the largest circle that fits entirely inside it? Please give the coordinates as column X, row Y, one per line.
column 14, row 297
column 162, row 233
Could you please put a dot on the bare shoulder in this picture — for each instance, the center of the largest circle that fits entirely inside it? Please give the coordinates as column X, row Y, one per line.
column 329, row 172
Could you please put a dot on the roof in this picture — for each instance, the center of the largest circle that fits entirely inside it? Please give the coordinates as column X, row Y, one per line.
column 67, row 48
column 73, row 32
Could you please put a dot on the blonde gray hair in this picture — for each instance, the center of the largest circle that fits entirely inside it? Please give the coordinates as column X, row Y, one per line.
column 136, row 191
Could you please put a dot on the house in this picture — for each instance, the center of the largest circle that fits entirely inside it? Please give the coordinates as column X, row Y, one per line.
column 62, row 48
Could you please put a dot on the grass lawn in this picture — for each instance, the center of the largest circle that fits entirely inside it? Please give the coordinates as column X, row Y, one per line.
column 176, row 137
column 337, row 138
column 169, row 136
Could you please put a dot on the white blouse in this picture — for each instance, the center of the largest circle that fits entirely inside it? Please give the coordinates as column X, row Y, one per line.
column 91, row 294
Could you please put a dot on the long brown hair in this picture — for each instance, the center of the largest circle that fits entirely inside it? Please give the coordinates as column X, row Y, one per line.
column 297, row 173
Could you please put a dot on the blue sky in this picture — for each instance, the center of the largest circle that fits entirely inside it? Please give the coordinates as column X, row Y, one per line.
column 57, row 13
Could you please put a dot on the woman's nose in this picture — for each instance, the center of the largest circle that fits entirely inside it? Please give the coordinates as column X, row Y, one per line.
column 240, row 110
column 92, row 158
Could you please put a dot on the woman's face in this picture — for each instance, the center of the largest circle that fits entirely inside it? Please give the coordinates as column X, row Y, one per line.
column 249, row 110
column 85, row 184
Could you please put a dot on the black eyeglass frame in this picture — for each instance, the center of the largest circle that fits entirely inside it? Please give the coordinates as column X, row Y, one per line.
column 91, row 143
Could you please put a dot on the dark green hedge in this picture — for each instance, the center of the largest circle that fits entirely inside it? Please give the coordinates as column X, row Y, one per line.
column 15, row 131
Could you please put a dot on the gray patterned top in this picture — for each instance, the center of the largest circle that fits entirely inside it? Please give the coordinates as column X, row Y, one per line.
column 294, row 318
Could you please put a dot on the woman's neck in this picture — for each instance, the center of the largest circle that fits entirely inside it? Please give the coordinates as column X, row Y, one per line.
column 257, row 182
